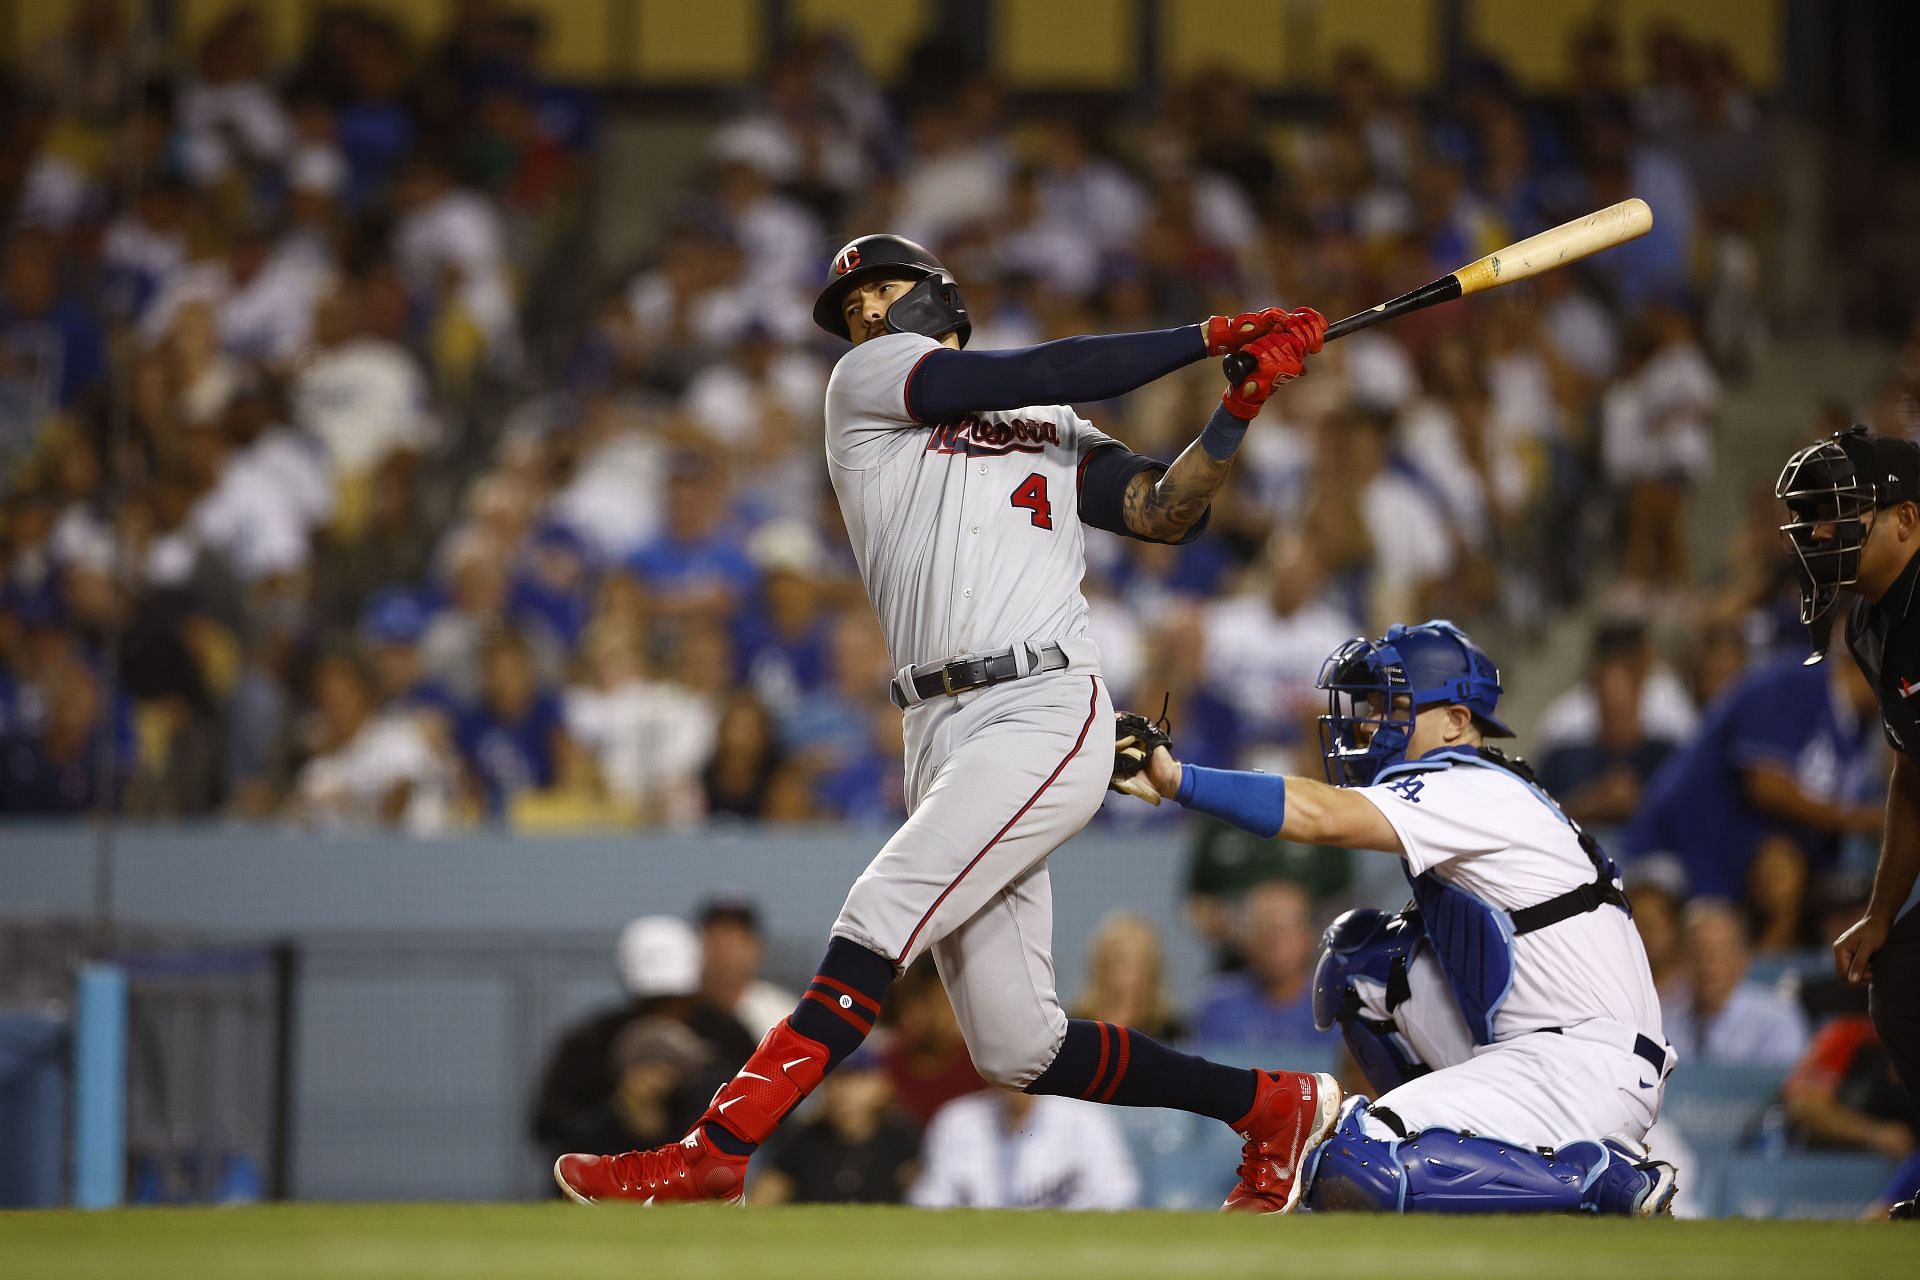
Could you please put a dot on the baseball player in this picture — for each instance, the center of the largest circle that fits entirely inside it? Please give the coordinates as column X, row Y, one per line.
column 1507, row 1020
column 1854, row 503
column 964, row 481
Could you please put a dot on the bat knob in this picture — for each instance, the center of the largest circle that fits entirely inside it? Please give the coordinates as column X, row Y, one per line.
column 1239, row 367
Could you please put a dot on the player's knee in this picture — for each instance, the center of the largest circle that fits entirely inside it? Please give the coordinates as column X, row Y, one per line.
column 1010, row 1066
column 1358, row 1167
column 1014, row 1057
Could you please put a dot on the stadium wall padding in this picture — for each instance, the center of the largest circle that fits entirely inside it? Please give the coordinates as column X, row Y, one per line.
column 435, row 973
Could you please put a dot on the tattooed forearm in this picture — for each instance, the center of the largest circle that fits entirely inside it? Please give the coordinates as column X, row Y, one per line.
column 1163, row 506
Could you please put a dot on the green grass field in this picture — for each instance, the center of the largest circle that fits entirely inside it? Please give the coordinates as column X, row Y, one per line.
column 561, row 1242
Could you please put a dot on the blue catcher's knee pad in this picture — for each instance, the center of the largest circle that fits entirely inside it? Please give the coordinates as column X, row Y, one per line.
column 1377, row 946
column 1354, row 1169
column 1441, row 1171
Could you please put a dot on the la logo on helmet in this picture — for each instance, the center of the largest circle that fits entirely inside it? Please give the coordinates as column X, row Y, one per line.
column 847, row 261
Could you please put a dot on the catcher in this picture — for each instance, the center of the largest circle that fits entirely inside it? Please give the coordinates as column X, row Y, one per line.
column 1507, row 1020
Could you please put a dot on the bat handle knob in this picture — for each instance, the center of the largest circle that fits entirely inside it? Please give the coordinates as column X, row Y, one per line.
column 1239, row 367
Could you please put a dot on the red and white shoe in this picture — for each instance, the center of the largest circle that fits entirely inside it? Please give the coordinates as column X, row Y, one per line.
column 691, row 1169
column 1293, row 1112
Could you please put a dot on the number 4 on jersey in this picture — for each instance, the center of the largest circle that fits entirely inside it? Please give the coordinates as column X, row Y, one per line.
column 1032, row 496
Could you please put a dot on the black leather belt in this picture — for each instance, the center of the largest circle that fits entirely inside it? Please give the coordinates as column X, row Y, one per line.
column 975, row 671
column 1644, row 1046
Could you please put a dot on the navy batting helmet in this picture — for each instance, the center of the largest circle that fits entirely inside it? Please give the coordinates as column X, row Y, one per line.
column 933, row 306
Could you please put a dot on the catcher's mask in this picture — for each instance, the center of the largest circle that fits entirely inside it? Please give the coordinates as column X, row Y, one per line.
column 1366, row 729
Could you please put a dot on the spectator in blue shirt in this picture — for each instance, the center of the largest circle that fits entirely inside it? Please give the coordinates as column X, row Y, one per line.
column 515, row 740
column 48, row 343
column 837, row 731
column 782, row 641
column 1271, row 1000
column 1787, row 752
column 390, row 632
column 696, row 567
column 50, row 764
column 1599, row 779
column 553, row 583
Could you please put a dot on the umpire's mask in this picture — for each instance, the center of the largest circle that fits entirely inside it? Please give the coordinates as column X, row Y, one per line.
column 1828, row 489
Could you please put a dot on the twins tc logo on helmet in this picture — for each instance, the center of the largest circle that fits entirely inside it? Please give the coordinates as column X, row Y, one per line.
column 849, row 259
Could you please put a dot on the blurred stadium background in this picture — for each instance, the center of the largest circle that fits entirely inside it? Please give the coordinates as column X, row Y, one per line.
column 416, row 561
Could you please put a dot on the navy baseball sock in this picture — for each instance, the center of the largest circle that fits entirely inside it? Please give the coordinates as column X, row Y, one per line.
column 837, row 1010
column 1107, row 1063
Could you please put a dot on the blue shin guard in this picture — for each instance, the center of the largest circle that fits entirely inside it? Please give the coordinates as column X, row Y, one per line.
column 1366, row 1167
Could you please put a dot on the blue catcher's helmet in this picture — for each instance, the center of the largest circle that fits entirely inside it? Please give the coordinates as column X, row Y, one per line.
column 1432, row 664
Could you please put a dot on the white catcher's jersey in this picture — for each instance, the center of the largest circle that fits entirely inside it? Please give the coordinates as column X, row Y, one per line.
column 967, row 532
column 1486, row 831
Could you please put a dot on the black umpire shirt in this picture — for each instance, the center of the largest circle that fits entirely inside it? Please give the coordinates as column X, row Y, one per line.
column 1885, row 638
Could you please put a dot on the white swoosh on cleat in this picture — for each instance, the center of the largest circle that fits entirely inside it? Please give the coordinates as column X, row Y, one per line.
column 788, row 1066
column 722, row 1108
column 749, row 1075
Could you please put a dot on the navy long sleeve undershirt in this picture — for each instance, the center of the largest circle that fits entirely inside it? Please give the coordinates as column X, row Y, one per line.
column 950, row 384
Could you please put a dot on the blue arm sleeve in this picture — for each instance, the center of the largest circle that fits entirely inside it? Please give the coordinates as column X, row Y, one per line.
column 949, row 384
column 1255, row 802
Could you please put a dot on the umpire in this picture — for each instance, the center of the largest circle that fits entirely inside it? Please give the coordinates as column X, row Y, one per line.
column 1855, row 505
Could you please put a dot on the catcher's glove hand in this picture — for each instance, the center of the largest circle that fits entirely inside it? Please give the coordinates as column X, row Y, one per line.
column 1134, row 739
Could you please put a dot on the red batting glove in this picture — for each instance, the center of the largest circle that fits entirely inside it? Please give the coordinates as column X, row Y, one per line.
column 1226, row 334
column 1307, row 325
column 1281, row 359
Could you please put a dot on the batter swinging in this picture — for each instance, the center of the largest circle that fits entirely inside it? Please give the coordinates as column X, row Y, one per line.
column 965, row 480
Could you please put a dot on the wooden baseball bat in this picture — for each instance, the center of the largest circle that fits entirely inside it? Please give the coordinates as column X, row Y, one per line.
column 1568, row 242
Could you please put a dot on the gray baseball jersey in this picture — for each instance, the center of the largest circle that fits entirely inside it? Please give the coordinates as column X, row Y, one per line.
column 968, row 538
column 968, row 532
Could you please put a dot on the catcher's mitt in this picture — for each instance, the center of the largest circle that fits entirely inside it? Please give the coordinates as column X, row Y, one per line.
column 1134, row 740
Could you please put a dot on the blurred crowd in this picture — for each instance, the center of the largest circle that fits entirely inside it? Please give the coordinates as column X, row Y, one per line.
column 321, row 504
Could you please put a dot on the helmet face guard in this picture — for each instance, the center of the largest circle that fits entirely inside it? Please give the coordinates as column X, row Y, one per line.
column 1363, row 732
column 932, row 307
column 1829, row 500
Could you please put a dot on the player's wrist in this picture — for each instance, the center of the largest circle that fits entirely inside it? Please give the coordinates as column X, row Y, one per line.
column 1225, row 430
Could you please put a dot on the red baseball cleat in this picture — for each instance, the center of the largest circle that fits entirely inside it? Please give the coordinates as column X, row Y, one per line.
column 1293, row 1112
column 691, row 1169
